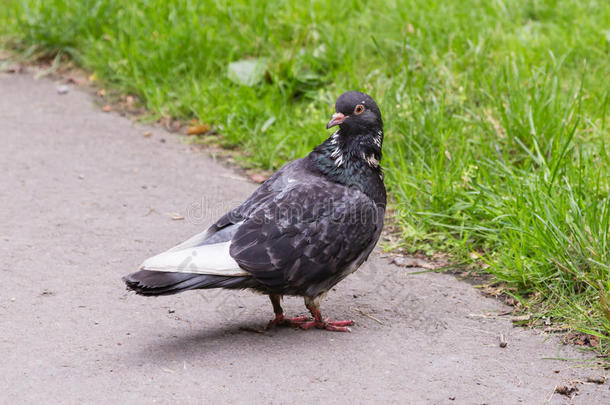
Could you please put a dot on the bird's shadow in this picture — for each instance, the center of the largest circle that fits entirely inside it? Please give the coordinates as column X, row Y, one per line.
column 229, row 341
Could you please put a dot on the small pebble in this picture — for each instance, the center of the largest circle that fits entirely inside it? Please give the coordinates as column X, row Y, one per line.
column 63, row 89
column 171, row 311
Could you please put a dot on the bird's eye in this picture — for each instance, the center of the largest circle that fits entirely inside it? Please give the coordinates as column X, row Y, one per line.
column 359, row 109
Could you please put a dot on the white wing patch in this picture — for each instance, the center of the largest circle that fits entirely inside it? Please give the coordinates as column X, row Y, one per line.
column 211, row 259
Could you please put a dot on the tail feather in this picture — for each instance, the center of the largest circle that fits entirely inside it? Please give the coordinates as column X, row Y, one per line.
column 148, row 282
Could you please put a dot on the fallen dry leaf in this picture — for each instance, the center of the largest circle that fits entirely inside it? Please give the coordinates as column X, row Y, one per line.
column 581, row 339
column 107, row 108
column 258, row 178
column 175, row 216
column 147, row 134
column 198, row 129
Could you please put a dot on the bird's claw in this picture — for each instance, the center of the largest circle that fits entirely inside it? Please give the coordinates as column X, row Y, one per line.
column 334, row 326
column 281, row 320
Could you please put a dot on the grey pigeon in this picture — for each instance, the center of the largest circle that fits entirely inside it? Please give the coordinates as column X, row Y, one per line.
column 311, row 224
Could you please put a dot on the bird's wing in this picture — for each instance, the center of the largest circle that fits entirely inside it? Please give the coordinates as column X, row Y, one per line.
column 208, row 252
column 294, row 231
column 197, row 255
column 307, row 235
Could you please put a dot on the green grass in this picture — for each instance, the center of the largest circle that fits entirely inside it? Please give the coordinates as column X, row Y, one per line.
column 495, row 111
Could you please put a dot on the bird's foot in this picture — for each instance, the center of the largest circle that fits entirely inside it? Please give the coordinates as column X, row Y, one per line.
column 335, row 326
column 281, row 320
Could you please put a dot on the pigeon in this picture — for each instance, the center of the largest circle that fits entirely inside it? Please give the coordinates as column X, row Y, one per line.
column 306, row 228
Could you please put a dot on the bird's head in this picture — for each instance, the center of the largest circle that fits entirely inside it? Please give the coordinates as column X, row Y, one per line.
column 355, row 112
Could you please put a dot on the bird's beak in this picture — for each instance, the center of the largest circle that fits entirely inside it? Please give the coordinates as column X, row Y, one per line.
column 337, row 119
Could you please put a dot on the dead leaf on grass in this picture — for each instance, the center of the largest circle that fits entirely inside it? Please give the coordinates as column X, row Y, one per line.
column 198, row 129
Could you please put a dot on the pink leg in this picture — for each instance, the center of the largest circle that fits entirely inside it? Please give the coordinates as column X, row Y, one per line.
column 280, row 319
column 335, row 326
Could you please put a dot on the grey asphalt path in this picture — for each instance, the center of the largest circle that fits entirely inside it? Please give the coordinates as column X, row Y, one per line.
column 85, row 198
